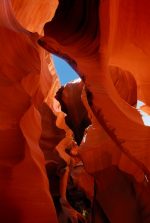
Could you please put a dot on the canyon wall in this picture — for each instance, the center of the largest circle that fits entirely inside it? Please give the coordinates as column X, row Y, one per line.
column 79, row 152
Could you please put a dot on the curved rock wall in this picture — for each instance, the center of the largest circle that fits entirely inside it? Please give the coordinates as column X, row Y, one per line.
column 80, row 152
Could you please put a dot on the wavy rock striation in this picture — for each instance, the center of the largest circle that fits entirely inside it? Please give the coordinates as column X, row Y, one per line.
column 80, row 152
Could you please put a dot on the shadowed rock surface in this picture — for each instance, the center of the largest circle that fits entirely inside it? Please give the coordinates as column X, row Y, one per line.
column 79, row 152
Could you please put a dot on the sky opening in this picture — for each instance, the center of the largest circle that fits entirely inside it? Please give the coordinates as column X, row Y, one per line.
column 145, row 117
column 64, row 70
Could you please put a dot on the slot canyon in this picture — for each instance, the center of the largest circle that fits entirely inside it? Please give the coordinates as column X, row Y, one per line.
column 79, row 152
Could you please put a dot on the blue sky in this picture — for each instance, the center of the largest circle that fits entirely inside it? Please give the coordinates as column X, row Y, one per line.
column 64, row 70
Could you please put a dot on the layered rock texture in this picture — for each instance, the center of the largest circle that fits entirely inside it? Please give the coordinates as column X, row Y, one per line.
column 79, row 152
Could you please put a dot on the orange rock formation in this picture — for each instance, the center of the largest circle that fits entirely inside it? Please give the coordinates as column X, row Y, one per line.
column 80, row 152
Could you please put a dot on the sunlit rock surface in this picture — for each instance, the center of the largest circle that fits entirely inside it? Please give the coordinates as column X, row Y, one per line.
column 79, row 152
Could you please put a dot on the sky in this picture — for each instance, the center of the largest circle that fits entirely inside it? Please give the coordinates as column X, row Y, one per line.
column 64, row 70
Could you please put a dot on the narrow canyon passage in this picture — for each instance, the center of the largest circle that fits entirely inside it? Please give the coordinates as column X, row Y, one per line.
column 74, row 146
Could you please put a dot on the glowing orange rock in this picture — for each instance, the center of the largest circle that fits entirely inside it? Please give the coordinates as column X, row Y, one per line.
column 106, row 42
column 90, row 51
column 115, row 35
column 24, row 83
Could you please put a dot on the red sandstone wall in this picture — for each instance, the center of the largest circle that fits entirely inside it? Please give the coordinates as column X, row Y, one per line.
column 90, row 137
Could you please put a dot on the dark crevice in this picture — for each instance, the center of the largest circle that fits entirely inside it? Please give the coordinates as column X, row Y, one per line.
column 82, row 16
column 77, row 116
column 78, row 199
